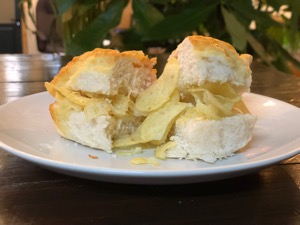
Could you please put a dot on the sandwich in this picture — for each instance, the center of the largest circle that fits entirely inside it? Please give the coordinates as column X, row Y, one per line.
column 213, row 76
column 95, row 94
column 195, row 108
column 112, row 100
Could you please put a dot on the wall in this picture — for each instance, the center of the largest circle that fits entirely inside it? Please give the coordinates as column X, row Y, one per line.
column 7, row 12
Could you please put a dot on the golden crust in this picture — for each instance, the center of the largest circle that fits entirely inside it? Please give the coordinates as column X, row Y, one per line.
column 53, row 108
column 143, row 59
column 139, row 56
column 203, row 42
column 108, row 57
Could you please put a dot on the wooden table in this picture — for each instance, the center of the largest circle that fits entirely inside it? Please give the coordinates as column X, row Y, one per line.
column 30, row 194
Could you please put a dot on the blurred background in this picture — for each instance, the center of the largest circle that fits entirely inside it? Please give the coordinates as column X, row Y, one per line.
column 267, row 29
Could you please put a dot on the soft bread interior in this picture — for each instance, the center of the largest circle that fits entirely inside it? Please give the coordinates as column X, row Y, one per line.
column 210, row 140
column 73, row 125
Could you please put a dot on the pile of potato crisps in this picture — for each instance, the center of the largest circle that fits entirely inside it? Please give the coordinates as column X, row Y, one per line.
column 163, row 103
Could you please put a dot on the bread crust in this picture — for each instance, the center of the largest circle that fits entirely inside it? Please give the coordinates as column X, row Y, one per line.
column 109, row 57
column 205, row 59
column 65, row 73
column 201, row 43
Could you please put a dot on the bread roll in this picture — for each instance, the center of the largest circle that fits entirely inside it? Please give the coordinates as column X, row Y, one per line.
column 212, row 77
column 95, row 95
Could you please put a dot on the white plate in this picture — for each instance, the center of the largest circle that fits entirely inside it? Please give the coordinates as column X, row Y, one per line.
column 27, row 131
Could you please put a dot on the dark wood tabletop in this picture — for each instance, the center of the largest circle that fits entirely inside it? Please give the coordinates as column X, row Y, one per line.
column 31, row 195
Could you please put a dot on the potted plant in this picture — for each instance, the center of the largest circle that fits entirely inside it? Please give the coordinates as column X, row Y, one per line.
column 268, row 29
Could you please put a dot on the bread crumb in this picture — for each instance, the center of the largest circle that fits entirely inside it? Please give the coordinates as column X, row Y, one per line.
column 93, row 156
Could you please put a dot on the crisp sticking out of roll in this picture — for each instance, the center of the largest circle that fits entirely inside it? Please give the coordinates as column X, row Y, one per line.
column 95, row 95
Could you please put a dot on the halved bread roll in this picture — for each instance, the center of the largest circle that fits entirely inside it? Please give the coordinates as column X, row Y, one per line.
column 213, row 77
column 95, row 95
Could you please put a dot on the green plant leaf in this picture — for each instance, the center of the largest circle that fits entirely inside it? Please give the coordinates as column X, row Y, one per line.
column 181, row 23
column 294, row 30
column 247, row 13
column 258, row 48
column 276, row 33
column 236, row 30
column 93, row 35
column 132, row 40
column 145, row 15
column 64, row 5
column 287, row 55
column 276, row 4
column 214, row 25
